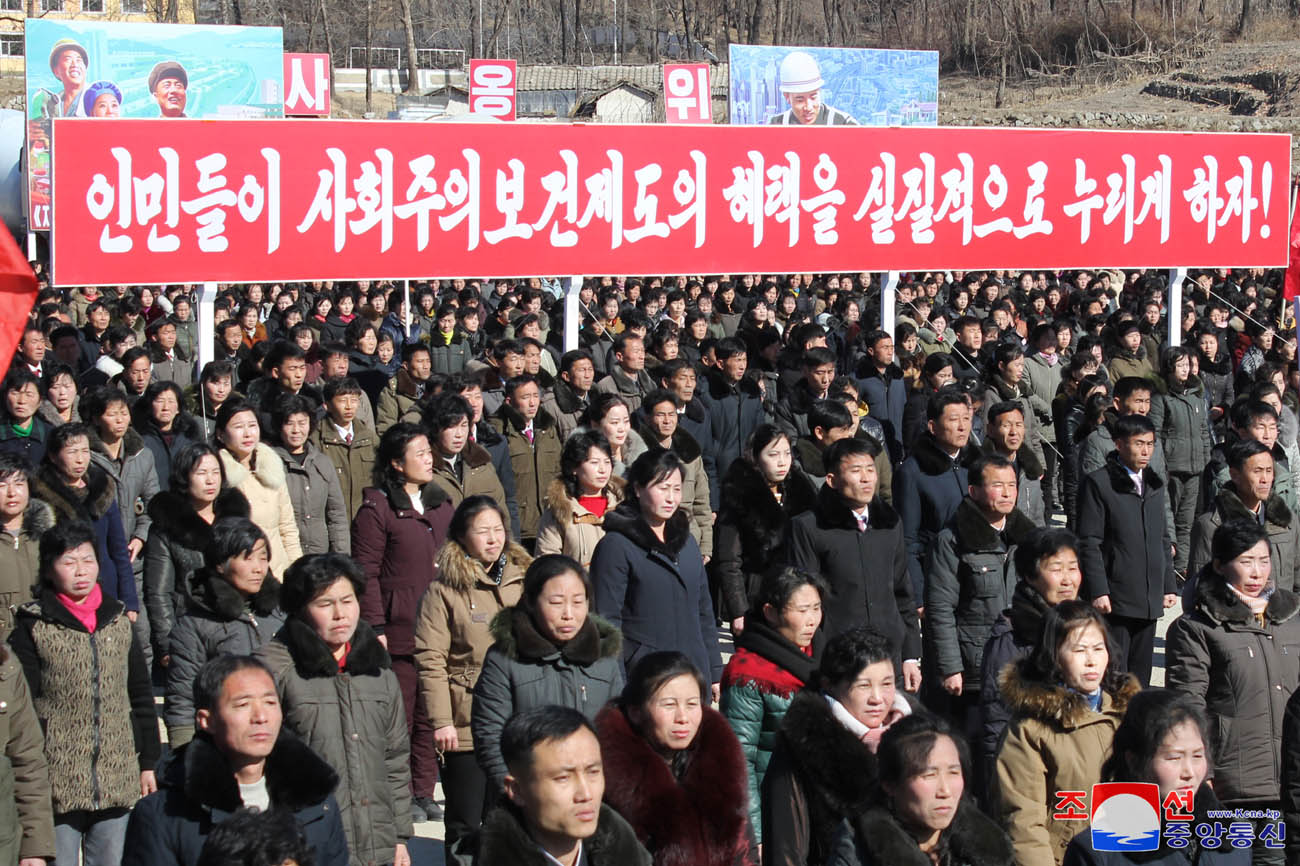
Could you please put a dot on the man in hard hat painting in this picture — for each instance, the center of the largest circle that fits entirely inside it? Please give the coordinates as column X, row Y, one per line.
column 68, row 62
column 801, row 85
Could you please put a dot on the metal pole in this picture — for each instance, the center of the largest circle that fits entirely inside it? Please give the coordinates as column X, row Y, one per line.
column 571, row 305
column 207, row 329
column 1174, row 304
column 31, row 246
column 616, row 32
column 406, row 316
column 888, row 294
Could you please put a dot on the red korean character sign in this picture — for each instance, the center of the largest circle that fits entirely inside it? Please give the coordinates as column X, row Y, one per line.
column 307, row 85
column 492, row 88
column 144, row 201
column 686, row 93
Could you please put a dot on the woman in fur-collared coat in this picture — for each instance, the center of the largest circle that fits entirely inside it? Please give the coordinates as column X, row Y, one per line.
column 576, row 503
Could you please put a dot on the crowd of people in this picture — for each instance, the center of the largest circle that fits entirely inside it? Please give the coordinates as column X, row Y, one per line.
column 397, row 536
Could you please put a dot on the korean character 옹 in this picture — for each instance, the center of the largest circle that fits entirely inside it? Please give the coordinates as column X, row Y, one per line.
column 1241, row 834
column 1178, row 836
column 1211, row 834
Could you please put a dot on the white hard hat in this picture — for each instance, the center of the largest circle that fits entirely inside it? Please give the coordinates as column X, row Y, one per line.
column 800, row 74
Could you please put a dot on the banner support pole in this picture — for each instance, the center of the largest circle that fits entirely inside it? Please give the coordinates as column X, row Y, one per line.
column 1174, row 305
column 571, row 305
column 406, row 317
column 888, row 296
column 31, row 246
column 207, row 328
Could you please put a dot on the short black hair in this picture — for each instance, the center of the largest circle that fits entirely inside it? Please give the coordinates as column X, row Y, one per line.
column 392, row 447
column 828, row 415
column 1127, row 426
column 445, row 410
column 314, row 573
column 573, row 356
column 1244, row 449
column 289, row 405
column 1042, row 543
column 253, row 838
column 985, row 462
column 657, row 396
column 850, row 446
column 526, row 729
column 232, row 537
column 184, row 462
column 1246, row 411
column 849, row 653
column 215, row 370
column 817, row 356
column 779, row 584
column 1231, row 539
column 518, row 382
column 1128, row 385
column 60, row 436
column 211, row 678
column 11, row 464
column 346, row 385
column 997, row 410
column 59, row 539
column 948, row 395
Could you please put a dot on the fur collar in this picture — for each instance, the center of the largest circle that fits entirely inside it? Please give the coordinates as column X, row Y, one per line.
column 828, row 755
column 268, row 468
column 132, row 444
column 745, row 493
column 504, row 839
column 431, row 496
column 1193, row 387
column 567, row 399
column 975, row 535
column 1006, row 391
column 461, row 573
column 683, row 444
column 1028, row 611
column 312, row 659
column 627, row 520
column 698, row 817
column 562, row 506
column 1055, row 704
column 1217, row 602
column 216, row 595
column 1122, row 482
column 1027, row 463
column 518, row 637
column 867, row 370
column 37, row 519
column 1220, row 366
column 1231, row 508
column 933, row 460
column 173, row 514
column 296, row 777
column 511, row 419
column 834, row 513
column 406, row 385
column 972, row 839
column 100, row 493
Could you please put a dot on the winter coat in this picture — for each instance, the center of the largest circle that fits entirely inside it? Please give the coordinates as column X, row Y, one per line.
column 886, row 395
column 878, row 838
column 1068, row 417
column 568, row 528
column 867, row 571
column 735, row 412
column 30, row 448
column 999, row 390
column 269, row 504
column 449, row 358
column 1182, row 424
column 1124, row 542
column 1055, row 742
column 96, row 503
column 178, row 368
column 972, row 575
column 928, row 487
column 453, row 631
column 655, row 591
column 632, row 389
column 1283, row 540
column 1015, row 635
column 753, row 530
column 535, row 463
column 1131, row 363
column 397, row 398
column 397, row 548
column 174, row 552
column 695, row 499
column 758, row 684
column 186, row 430
column 525, row 669
column 354, row 463
column 564, row 405
column 1029, row 481
column 356, row 721
column 1242, row 671
column 50, row 415
column 1217, row 476
column 20, row 557
column 1217, row 376
column 197, row 791
column 318, row 505
column 1044, row 381
column 26, row 815
column 694, row 816
column 92, row 695
column 474, row 475
column 504, row 838
column 137, row 484
column 218, row 619
column 1096, row 449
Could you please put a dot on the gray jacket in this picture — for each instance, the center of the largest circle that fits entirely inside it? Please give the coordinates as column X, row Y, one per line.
column 137, row 483
column 318, row 507
column 1044, row 381
column 1283, row 540
column 355, row 720
column 1183, row 426
column 524, row 669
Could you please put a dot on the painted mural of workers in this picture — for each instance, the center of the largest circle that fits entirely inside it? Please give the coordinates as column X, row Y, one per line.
column 801, row 85
column 68, row 62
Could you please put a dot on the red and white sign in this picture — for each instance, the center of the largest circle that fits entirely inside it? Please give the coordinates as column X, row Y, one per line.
column 174, row 201
column 686, row 93
column 492, row 88
column 307, row 85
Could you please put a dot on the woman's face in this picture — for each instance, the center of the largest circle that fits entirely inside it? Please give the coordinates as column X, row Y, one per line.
column 75, row 572
column 323, row 307
column 788, row 304
column 615, row 425
column 929, row 799
column 115, row 421
column 852, row 313
column 304, row 341
column 23, row 402
column 295, row 431
column 1209, row 345
column 486, row 537
column 1182, row 369
column 205, row 480
column 660, row 499
column 675, row 712
column 1250, row 571
column 799, row 620
column 368, row 342
column 416, row 465
column 699, row 329
column 62, row 391
column 1057, row 577
column 562, row 607
column 774, row 461
column 165, row 409
column 334, row 614
column 146, row 298
column 1180, row 763
column 384, row 351
column 943, row 376
column 1083, row 658
column 242, row 433
column 870, row 696
column 73, row 461
column 1014, row 370
column 246, row 571
column 910, row 343
column 594, row 472
column 345, row 305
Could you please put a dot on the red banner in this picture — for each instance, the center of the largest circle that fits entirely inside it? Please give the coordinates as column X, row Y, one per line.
column 307, row 85
column 143, row 201
column 687, row 98
column 492, row 88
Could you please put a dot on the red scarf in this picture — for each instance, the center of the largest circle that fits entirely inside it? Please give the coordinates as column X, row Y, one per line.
column 86, row 611
column 747, row 667
column 343, row 660
column 595, row 504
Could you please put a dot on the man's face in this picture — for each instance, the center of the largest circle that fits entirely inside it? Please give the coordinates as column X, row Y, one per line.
column 580, row 375
column 232, row 338
column 99, row 318
column 419, row 366
column 735, row 366
column 971, row 337
column 34, row 343
column 70, row 68
column 1137, row 403
column 512, row 365
column 854, row 479
column 68, row 350
column 1008, row 433
column 166, row 337
column 1255, row 476
column 683, row 384
column 820, row 377
column 559, row 792
column 1135, row 451
column 1263, row 429
column 447, row 323
column 882, row 352
column 952, row 428
column 336, row 367
column 632, row 358
column 137, row 375
column 532, row 360
column 526, row 399
column 805, row 106
column 246, row 720
column 996, row 496
column 343, row 408
column 291, row 373
column 170, row 93
column 663, row 417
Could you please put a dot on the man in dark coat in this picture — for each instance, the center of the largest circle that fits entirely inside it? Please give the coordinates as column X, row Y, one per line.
column 734, row 403
column 931, row 483
column 483, row 433
column 880, row 382
column 815, row 383
column 1125, row 546
column 627, row 378
column 240, row 758
column 855, row 541
column 677, row 375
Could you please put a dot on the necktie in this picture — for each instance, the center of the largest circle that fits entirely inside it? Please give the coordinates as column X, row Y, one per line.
column 528, row 434
column 862, row 522
column 348, row 439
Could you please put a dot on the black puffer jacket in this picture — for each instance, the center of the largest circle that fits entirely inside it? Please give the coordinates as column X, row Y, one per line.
column 877, row 838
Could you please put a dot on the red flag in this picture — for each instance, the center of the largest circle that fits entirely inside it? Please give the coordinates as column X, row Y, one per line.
column 17, row 294
column 1291, row 288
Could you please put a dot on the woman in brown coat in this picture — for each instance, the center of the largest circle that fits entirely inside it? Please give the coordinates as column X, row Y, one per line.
column 481, row 572
column 573, row 516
